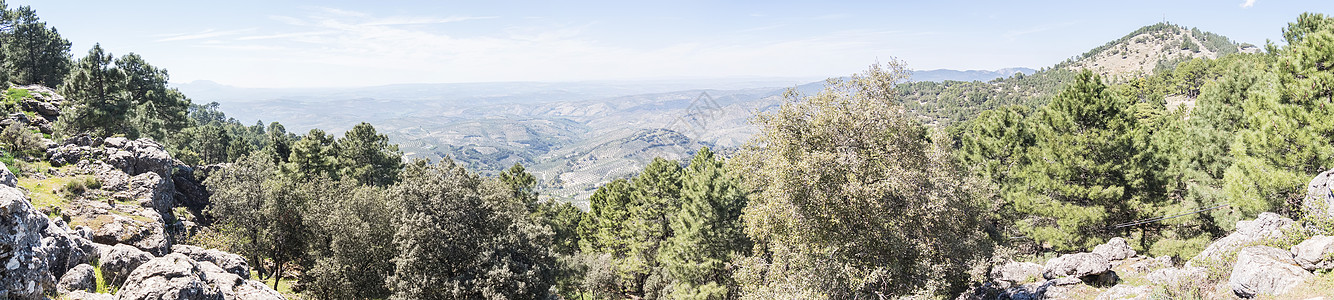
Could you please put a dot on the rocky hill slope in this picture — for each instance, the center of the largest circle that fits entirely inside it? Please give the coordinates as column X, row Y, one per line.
column 91, row 215
column 1271, row 256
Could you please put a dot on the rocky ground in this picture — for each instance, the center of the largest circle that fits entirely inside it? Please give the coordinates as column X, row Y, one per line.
column 108, row 214
column 1270, row 257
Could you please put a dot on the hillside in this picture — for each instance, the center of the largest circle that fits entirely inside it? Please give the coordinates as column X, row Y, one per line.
column 1137, row 54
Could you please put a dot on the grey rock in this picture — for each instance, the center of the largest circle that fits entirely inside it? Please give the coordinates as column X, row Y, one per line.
column 120, row 262
column 142, row 156
column 147, row 235
column 1315, row 253
column 1022, row 292
column 80, row 278
column 26, row 274
column 1126, row 292
column 1177, row 276
column 115, row 142
column 230, row 263
column 173, row 276
column 41, row 107
column 1320, row 196
column 6, row 177
column 1077, row 265
column 1265, row 226
column 82, row 295
column 153, row 191
column 1115, row 249
column 1017, row 272
column 1141, row 264
column 1263, row 270
column 65, row 249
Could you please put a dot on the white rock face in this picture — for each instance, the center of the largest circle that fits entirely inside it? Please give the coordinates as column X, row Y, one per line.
column 1263, row 270
column 1267, row 225
column 1017, row 272
column 26, row 274
column 1314, row 253
column 174, row 276
column 1115, row 249
column 1077, row 265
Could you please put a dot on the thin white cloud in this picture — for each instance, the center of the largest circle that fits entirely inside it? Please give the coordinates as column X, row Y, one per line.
column 206, row 34
column 284, row 35
column 352, row 48
column 421, row 20
column 1248, row 4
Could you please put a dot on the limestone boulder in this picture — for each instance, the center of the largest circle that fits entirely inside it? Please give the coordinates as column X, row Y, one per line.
column 1115, row 249
column 1017, row 272
column 1076, row 265
column 1263, row 270
column 1267, row 225
column 80, row 278
column 173, row 276
column 120, row 261
column 1315, row 253
column 26, row 274
column 230, row 263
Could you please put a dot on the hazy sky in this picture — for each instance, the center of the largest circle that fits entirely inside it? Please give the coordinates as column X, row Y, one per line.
column 273, row 43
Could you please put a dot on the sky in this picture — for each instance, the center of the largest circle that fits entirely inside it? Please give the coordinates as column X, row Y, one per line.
column 279, row 44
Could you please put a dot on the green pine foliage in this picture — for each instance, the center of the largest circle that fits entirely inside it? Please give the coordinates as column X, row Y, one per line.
column 32, row 52
column 706, row 231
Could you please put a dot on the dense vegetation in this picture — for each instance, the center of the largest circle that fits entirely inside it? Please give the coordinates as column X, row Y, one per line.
column 871, row 188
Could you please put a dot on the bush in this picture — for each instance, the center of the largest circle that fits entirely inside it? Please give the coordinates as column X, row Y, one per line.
column 82, row 184
column 20, row 139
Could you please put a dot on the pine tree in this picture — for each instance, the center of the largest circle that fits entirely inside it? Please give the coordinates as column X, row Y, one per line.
column 706, row 232
column 96, row 88
column 33, row 53
column 368, row 157
column 1091, row 166
column 314, row 155
column 158, row 111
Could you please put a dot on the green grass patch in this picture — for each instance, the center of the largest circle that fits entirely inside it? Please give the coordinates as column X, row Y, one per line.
column 103, row 287
column 46, row 192
column 14, row 95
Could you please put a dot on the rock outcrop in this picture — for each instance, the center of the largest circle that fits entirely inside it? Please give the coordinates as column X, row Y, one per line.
column 1018, row 272
column 121, row 261
column 1315, row 253
column 1265, row 270
column 1076, row 265
column 26, row 273
column 1267, row 225
column 231, row 263
column 174, row 276
column 1115, row 249
column 1319, row 199
column 80, row 278
column 177, row 276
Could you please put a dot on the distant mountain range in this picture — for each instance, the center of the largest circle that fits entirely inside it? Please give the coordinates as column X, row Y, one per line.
column 939, row 75
column 575, row 136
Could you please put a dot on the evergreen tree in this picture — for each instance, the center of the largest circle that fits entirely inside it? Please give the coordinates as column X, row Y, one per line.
column 158, row 111
column 607, row 228
column 367, row 157
column 95, row 87
column 1288, row 138
column 1090, row 166
column 314, row 155
column 33, row 53
column 706, row 232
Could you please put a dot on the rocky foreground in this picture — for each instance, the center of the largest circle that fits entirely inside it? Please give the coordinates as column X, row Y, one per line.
column 1244, row 264
column 126, row 226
